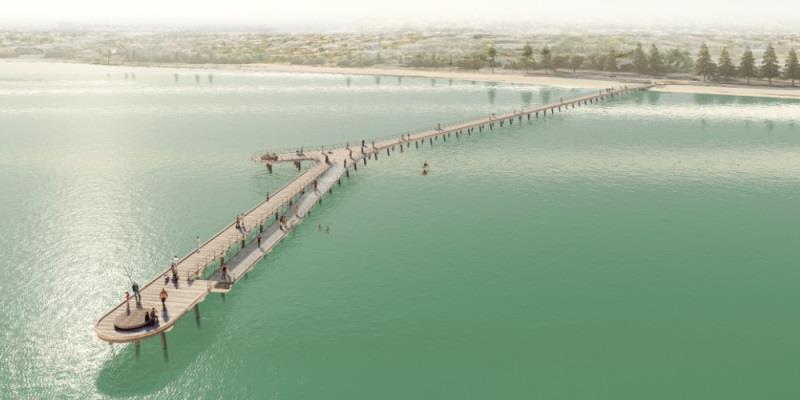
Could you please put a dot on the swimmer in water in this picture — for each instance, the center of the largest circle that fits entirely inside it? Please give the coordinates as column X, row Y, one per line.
column 425, row 168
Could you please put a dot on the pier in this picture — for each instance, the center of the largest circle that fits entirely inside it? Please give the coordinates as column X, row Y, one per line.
column 216, row 265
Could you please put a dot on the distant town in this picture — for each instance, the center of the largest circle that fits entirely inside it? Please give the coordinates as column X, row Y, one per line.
column 718, row 57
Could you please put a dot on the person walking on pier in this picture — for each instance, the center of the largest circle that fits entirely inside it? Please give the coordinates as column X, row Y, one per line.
column 163, row 297
column 258, row 240
column 225, row 276
column 240, row 223
column 136, row 294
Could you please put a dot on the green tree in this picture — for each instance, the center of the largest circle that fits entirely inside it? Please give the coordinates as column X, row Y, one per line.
column 747, row 66
column 704, row 66
column 655, row 61
column 726, row 68
column 576, row 61
column 611, row 61
column 640, row 64
column 679, row 61
column 547, row 59
column 527, row 56
column 560, row 62
column 792, row 69
column 492, row 53
column 527, row 50
column 769, row 65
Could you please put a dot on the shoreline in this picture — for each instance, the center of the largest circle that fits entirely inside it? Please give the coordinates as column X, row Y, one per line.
column 668, row 85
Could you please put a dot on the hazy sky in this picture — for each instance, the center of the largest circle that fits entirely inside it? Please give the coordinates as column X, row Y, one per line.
column 304, row 12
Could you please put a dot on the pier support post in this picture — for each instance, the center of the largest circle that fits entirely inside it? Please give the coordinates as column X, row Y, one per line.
column 138, row 348
column 197, row 314
column 529, row 116
column 164, row 342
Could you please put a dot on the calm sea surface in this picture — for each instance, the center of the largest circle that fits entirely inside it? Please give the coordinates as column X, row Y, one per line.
column 644, row 248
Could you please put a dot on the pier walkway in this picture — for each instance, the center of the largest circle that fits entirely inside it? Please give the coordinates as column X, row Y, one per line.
column 219, row 263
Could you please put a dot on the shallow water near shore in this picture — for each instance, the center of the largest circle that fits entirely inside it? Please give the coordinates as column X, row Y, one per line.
column 640, row 248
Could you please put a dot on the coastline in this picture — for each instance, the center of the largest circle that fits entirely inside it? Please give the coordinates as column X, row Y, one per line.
column 668, row 85
column 571, row 83
column 752, row 91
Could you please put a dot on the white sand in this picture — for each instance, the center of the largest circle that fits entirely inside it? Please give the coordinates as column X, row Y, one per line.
column 437, row 74
column 671, row 86
column 753, row 91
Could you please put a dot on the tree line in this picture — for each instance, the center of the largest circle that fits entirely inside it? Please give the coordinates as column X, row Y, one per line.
column 654, row 62
column 725, row 69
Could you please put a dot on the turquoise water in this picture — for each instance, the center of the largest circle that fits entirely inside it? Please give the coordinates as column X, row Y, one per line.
column 641, row 248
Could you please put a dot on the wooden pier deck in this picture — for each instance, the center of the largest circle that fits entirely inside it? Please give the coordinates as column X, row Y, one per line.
column 238, row 249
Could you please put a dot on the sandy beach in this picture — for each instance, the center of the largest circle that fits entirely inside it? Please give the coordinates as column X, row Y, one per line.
column 438, row 74
column 754, row 91
column 671, row 86
column 582, row 83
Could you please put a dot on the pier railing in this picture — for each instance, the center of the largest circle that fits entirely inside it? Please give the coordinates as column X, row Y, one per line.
column 445, row 125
